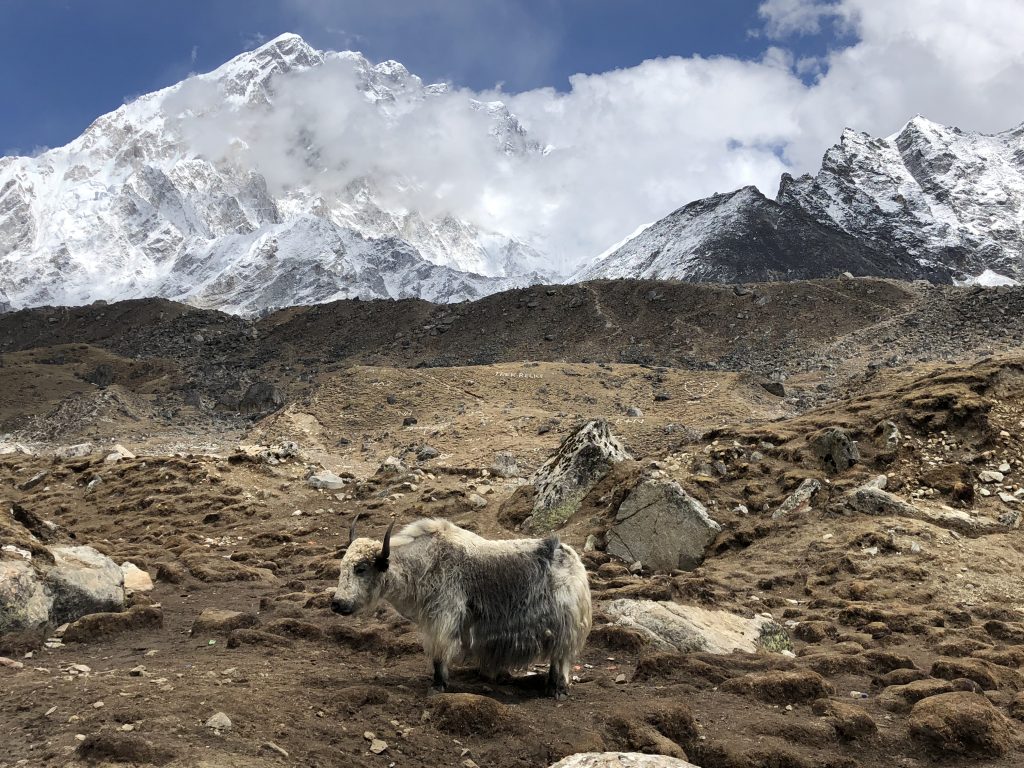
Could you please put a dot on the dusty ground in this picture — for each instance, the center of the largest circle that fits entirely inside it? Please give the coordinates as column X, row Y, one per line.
column 870, row 601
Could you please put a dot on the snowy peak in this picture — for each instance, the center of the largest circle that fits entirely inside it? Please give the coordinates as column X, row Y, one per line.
column 930, row 202
column 247, row 77
column 145, row 203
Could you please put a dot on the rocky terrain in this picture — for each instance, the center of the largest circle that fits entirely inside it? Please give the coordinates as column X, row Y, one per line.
column 799, row 505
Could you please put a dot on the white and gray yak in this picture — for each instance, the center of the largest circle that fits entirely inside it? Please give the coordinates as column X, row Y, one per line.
column 502, row 605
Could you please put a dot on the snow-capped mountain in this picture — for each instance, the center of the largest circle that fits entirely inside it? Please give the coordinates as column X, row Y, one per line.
column 135, row 206
column 927, row 202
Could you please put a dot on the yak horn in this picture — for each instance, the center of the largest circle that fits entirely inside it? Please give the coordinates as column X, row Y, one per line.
column 385, row 551
column 352, row 528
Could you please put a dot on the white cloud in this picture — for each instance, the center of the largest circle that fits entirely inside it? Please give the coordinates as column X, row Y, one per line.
column 788, row 17
column 631, row 145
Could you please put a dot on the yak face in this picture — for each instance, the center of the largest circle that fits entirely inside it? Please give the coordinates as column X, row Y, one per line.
column 361, row 580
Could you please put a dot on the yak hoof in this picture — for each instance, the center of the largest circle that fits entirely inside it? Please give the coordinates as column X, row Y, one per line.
column 558, row 691
column 439, row 688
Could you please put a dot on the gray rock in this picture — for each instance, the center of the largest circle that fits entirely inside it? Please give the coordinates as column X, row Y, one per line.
column 476, row 500
column 25, row 602
column 583, row 458
column 74, row 451
column 634, row 413
column 674, row 627
column 261, row 397
column 891, row 435
column 219, row 722
column 991, row 476
column 835, row 448
column 427, row 452
column 620, row 760
column 117, row 453
column 102, row 375
column 326, row 480
column 662, row 526
column 9, row 448
column 799, row 499
column 776, row 388
column 871, row 500
column 505, row 465
column 83, row 581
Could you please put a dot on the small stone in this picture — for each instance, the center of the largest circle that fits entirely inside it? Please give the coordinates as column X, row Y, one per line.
column 136, row 579
column 990, row 476
column 138, row 671
column 80, row 669
column 620, row 678
column 98, row 705
column 219, row 722
column 1004, row 468
column 476, row 500
column 10, row 663
column 377, row 746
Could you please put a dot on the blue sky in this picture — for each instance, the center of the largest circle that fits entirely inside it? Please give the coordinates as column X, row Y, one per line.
column 65, row 62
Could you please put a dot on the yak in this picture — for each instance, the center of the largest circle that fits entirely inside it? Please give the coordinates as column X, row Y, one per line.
column 502, row 605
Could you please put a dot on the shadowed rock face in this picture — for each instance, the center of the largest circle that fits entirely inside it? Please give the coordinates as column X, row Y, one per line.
column 743, row 237
column 582, row 459
column 661, row 526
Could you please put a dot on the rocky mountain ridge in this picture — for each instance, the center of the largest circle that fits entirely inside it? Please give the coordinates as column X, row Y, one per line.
column 930, row 201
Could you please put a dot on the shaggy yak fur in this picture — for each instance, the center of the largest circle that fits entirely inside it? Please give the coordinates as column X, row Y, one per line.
column 502, row 605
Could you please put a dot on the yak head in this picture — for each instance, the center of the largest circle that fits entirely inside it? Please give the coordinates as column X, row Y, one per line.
column 361, row 581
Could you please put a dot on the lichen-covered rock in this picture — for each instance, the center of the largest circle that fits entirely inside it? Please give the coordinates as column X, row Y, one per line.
column 661, row 526
column 835, row 448
column 583, row 458
column 505, row 465
column 24, row 601
column 675, row 627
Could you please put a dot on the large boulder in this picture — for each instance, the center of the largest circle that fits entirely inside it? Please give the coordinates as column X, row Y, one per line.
column 675, row 627
column 583, row 458
column 620, row 760
column 66, row 584
column 261, row 397
column 83, row 581
column 835, row 448
column 661, row 526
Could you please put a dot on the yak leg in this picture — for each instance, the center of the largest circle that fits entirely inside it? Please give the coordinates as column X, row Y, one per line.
column 440, row 684
column 442, row 646
column 558, row 680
